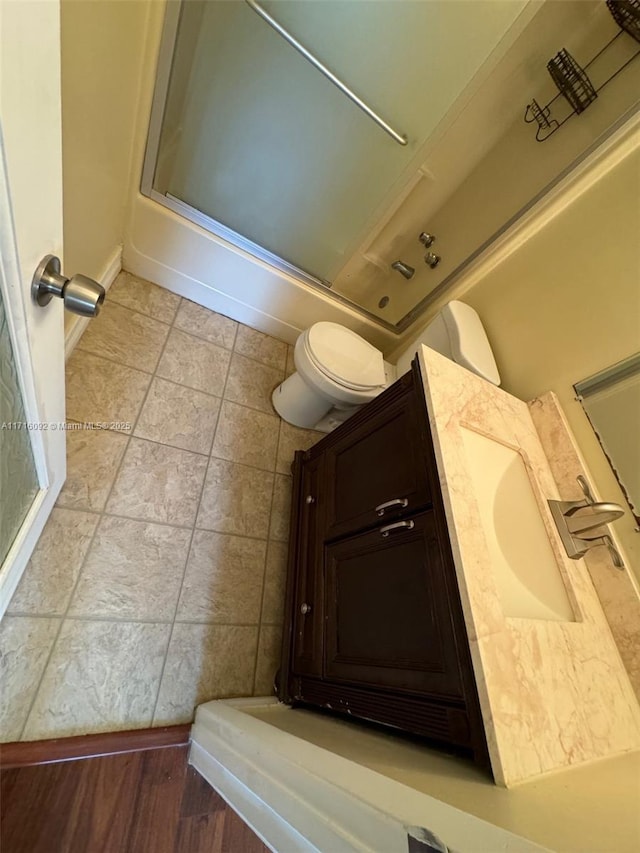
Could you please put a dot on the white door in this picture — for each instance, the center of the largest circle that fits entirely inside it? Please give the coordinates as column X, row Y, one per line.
column 32, row 444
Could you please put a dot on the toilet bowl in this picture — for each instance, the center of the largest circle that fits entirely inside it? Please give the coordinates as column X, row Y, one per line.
column 337, row 370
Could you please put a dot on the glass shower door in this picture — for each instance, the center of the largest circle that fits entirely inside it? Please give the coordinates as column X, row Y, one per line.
column 251, row 134
column 253, row 140
column 18, row 476
column 258, row 139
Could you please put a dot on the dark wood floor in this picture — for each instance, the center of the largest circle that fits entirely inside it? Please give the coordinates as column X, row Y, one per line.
column 143, row 801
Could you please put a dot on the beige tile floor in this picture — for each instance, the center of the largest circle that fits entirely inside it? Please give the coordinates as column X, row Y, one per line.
column 158, row 582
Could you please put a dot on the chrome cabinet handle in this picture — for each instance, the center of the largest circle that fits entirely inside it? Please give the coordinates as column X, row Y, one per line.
column 406, row 525
column 402, row 502
column 309, row 499
column 305, row 608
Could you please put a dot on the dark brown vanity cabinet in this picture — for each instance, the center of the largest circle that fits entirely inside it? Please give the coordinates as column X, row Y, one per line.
column 387, row 620
column 374, row 626
column 376, row 469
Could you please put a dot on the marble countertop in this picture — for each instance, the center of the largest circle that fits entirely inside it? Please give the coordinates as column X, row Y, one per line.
column 553, row 693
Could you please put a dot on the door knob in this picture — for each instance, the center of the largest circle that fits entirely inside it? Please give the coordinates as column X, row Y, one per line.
column 81, row 295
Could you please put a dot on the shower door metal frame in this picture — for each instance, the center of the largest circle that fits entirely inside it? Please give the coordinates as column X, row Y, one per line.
column 493, row 245
column 192, row 214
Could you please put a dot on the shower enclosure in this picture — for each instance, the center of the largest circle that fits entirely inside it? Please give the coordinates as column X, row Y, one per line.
column 288, row 128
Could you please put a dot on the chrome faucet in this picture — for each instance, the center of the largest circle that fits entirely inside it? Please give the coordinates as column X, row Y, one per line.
column 404, row 269
column 600, row 513
column 575, row 527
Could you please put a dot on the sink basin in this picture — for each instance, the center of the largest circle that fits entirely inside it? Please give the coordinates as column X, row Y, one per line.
column 527, row 574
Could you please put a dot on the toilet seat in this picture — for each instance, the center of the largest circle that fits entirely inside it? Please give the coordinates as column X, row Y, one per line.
column 344, row 357
column 337, row 371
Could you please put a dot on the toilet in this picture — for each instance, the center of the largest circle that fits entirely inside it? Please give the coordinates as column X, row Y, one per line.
column 337, row 371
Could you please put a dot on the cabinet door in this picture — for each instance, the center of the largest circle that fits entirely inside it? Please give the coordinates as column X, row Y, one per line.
column 308, row 597
column 388, row 620
column 381, row 460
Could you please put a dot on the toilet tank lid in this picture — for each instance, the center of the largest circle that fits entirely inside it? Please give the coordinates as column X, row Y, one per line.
column 345, row 356
column 470, row 346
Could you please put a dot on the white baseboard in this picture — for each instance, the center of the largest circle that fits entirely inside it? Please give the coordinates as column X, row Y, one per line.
column 75, row 329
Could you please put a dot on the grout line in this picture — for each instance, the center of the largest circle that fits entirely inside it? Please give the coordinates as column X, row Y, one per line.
column 86, row 555
column 114, row 301
column 141, row 520
column 221, row 624
column 188, row 548
column 264, row 574
column 170, row 446
column 153, row 376
column 253, row 358
column 147, row 520
column 101, row 514
column 189, row 387
column 262, row 363
column 58, row 632
column 132, row 620
column 235, row 336
column 205, row 340
column 233, row 535
column 172, row 324
column 243, row 464
column 263, row 334
column 110, row 359
column 249, row 409
column 188, row 552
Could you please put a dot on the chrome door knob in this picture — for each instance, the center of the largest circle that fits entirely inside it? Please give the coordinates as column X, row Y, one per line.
column 309, row 499
column 305, row 608
column 81, row 295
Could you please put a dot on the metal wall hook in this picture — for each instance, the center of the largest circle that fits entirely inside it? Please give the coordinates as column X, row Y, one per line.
column 81, row 295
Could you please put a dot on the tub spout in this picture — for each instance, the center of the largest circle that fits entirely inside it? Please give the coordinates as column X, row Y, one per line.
column 404, row 269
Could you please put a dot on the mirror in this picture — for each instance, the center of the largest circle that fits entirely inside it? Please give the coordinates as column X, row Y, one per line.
column 611, row 400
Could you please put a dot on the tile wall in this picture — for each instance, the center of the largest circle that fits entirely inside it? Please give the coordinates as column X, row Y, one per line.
column 158, row 582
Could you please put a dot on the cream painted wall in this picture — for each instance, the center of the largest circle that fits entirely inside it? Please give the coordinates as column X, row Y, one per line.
column 102, row 50
column 472, row 190
column 566, row 304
